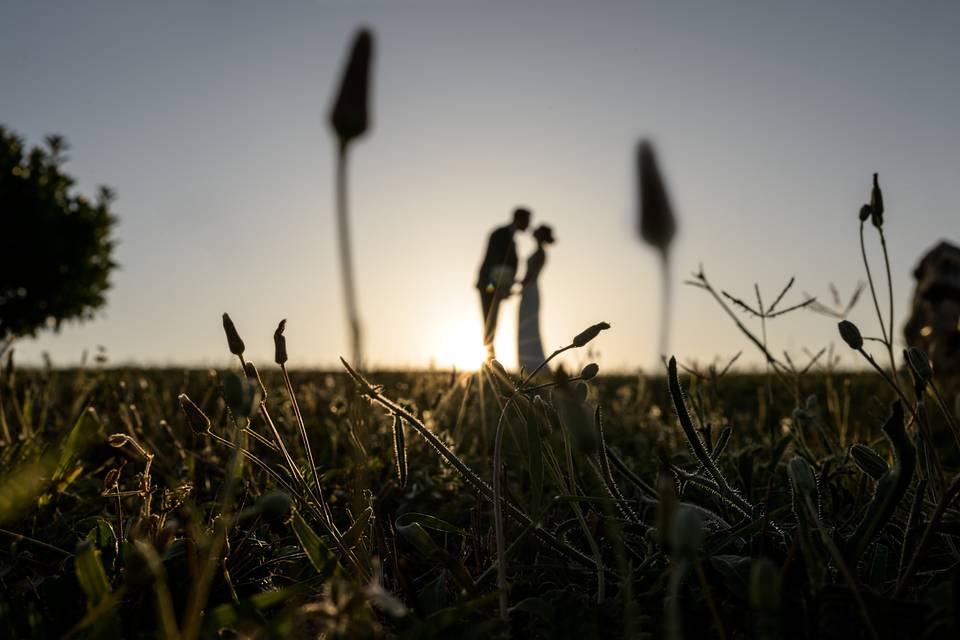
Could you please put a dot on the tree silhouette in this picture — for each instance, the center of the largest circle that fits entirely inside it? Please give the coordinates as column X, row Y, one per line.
column 55, row 259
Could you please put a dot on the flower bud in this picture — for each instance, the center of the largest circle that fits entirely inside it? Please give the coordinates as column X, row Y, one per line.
column 118, row 440
column 864, row 212
column 589, row 334
column 280, row 343
column 590, row 371
column 349, row 116
column 254, row 377
column 241, row 395
column 868, row 461
column 233, row 338
column 850, row 334
column 657, row 223
column 197, row 419
column 876, row 204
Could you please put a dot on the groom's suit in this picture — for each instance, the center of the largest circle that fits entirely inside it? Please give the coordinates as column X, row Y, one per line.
column 495, row 279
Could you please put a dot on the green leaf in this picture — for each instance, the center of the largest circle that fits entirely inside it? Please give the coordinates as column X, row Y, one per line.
column 230, row 614
column 319, row 554
column 355, row 532
column 91, row 575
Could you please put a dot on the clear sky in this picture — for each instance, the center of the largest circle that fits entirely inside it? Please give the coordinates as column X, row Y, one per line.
column 209, row 120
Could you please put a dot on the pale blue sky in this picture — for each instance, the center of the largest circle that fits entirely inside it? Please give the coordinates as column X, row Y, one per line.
column 208, row 118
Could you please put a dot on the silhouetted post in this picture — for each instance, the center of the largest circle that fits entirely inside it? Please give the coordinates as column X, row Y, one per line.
column 349, row 120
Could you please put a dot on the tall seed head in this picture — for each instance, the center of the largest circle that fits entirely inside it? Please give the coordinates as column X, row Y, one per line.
column 349, row 117
column 233, row 338
column 280, row 343
column 876, row 203
column 197, row 419
column 254, row 377
column 241, row 395
column 850, row 334
column 657, row 223
column 589, row 334
column 590, row 371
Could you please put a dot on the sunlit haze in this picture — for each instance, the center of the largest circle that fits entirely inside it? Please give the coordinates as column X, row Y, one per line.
column 209, row 121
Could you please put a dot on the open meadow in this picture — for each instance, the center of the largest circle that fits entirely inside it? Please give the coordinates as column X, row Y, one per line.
column 127, row 511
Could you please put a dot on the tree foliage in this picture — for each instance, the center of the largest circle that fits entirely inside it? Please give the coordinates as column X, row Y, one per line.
column 55, row 260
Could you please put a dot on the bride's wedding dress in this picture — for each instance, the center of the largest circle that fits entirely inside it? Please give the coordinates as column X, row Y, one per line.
column 529, row 343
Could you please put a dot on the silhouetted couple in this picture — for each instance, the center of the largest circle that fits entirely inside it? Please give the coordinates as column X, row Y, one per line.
column 498, row 275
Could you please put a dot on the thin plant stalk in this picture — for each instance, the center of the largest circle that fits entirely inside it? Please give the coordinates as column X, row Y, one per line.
column 346, row 256
column 666, row 295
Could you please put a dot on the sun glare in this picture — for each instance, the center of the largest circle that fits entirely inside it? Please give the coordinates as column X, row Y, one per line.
column 460, row 346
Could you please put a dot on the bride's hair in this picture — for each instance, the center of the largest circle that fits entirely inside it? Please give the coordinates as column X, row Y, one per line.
column 544, row 234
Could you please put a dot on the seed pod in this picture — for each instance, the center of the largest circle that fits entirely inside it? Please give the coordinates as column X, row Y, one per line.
column 241, row 395
column 876, row 203
column 254, row 376
column 274, row 506
column 920, row 363
column 657, row 223
column 110, row 481
column 868, row 461
column 233, row 338
column 589, row 334
column 349, row 116
column 118, row 440
column 590, row 371
column 197, row 419
column 850, row 334
column 280, row 343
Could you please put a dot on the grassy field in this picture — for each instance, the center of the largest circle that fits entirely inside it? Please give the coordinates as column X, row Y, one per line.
column 130, row 510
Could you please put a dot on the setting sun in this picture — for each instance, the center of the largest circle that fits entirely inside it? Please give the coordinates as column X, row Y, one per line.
column 459, row 345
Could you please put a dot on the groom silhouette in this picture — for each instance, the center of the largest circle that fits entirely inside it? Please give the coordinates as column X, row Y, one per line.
column 498, row 272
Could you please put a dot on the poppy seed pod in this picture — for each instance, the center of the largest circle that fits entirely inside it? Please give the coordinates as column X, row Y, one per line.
column 876, row 203
column 197, row 419
column 590, row 371
column 850, row 334
column 233, row 338
column 350, row 114
column 589, row 334
column 657, row 223
column 280, row 343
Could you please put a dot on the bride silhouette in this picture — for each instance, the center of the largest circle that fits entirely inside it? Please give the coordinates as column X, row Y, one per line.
column 529, row 344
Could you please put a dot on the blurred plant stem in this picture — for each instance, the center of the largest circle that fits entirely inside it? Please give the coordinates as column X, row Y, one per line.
column 346, row 256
